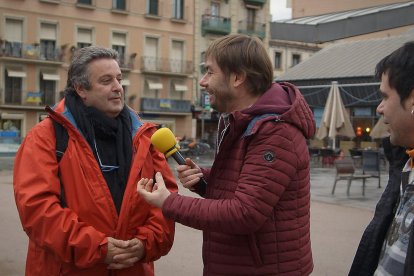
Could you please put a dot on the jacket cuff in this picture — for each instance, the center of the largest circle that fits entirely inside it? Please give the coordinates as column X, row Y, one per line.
column 103, row 247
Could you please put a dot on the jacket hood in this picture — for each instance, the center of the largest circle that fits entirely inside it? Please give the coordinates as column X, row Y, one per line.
column 285, row 100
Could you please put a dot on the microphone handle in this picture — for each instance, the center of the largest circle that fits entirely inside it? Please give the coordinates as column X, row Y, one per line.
column 201, row 186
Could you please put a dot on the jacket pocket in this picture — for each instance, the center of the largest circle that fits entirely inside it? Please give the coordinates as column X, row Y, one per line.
column 254, row 249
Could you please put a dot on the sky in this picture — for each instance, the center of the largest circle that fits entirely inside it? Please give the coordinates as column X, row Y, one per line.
column 279, row 11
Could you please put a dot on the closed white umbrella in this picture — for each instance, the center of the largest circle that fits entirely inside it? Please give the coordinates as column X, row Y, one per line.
column 335, row 120
column 379, row 130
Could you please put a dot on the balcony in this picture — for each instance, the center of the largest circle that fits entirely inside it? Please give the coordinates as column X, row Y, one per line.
column 126, row 63
column 30, row 52
column 215, row 25
column 29, row 100
column 251, row 28
column 153, row 105
column 255, row 2
column 166, row 66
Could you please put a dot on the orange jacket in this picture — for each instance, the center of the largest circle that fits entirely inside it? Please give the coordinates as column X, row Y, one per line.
column 73, row 240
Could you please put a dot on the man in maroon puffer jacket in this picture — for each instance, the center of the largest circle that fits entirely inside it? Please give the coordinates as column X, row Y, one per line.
column 255, row 210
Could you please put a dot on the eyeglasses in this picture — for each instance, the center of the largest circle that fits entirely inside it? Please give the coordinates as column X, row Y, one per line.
column 104, row 168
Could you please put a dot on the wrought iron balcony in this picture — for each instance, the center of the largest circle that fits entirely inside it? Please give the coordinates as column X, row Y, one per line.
column 215, row 24
column 149, row 105
column 18, row 50
column 166, row 66
column 252, row 28
column 255, row 2
column 27, row 99
column 126, row 63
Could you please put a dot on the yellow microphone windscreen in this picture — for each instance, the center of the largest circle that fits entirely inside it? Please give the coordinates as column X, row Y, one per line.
column 164, row 141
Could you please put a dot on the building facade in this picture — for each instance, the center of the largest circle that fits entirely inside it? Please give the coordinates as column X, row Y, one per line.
column 154, row 39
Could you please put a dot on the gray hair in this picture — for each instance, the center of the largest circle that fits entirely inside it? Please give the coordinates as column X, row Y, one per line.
column 78, row 69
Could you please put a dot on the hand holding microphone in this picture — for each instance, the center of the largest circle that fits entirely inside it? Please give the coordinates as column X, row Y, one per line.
column 190, row 175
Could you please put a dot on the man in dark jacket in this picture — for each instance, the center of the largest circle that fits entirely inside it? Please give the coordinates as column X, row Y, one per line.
column 387, row 245
column 369, row 249
column 255, row 214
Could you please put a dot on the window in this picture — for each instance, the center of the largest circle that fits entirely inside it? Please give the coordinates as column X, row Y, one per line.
column 84, row 37
column 119, row 45
column 119, row 4
column 152, row 87
column 48, row 49
column 295, row 59
column 85, row 2
column 13, row 86
column 251, row 19
column 278, row 60
column 362, row 111
column 151, row 53
column 152, row 7
column 48, row 88
column 202, row 63
column 215, row 8
column 178, row 9
column 177, row 54
column 177, row 89
column 13, row 37
column 10, row 127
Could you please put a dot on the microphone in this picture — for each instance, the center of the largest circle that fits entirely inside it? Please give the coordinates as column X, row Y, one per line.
column 164, row 141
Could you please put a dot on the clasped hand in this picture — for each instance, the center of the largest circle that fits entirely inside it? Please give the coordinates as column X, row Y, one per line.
column 123, row 254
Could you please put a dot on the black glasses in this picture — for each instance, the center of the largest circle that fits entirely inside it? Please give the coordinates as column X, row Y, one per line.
column 104, row 168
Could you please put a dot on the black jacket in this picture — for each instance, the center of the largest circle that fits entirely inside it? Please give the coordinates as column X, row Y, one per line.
column 366, row 258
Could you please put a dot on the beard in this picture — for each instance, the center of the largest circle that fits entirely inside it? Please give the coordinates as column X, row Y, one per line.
column 221, row 98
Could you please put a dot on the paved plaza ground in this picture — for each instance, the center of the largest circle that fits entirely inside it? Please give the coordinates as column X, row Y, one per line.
column 337, row 223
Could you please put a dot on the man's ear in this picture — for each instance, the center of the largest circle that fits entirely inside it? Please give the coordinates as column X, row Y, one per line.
column 80, row 91
column 238, row 78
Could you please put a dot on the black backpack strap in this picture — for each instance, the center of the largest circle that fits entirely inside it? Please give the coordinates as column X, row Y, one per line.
column 62, row 138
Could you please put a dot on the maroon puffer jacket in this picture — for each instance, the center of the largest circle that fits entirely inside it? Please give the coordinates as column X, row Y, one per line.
column 255, row 217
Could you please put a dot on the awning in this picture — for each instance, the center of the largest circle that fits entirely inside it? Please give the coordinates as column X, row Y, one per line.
column 53, row 77
column 180, row 87
column 11, row 116
column 125, row 82
column 16, row 74
column 154, row 85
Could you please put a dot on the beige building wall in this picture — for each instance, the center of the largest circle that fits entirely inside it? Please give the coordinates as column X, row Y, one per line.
column 302, row 8
column 131, row 29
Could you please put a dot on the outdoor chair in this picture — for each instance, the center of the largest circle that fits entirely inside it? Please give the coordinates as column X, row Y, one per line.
column 314, row 154
column 345, row 170
column 371, row 164
column 356, row 155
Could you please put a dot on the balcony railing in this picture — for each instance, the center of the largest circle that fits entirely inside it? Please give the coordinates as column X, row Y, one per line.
column 27, row 98
column 165, row 105
column 215, row 24
column 166, row 66
column 255, row 2
column 252, row 28
column 30, row 51
column 126, row 63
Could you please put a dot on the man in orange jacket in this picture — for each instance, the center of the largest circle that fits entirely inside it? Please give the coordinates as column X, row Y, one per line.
column 99, row 225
